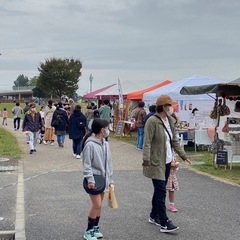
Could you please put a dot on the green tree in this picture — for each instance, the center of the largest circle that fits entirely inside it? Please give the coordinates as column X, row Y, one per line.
column 59, row 77
column 38, row 92
column 33, row 81
column 21, row 81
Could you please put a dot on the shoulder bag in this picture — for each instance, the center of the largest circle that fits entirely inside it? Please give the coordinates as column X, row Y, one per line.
column 225, row 108
column 213, row 113
column 100, row 183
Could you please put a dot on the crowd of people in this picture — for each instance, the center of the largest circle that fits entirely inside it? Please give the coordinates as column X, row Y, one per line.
column 89, row 131
column 52, row 122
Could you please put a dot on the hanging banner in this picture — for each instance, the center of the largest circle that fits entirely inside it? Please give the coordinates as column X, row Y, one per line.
column 120, row 93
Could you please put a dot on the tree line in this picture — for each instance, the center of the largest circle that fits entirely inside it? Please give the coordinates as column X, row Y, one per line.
column 57, row 77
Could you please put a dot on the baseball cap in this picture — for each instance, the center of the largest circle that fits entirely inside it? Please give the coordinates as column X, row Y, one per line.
column 164, row 100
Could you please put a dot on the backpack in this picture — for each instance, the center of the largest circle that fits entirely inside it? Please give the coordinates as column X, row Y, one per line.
column 57, row 121
column 96, row 114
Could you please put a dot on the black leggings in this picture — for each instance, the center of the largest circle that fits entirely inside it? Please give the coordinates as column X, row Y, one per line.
column 167, row 172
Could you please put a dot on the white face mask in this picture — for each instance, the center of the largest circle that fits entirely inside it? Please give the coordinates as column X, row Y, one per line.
column 33, row 109
column 169, row 112
column 106, row 133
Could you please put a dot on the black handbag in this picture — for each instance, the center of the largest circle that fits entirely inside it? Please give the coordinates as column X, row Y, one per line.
column 100, row 184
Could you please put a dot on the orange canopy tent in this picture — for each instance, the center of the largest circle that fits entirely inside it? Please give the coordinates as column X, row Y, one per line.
column 138, row 95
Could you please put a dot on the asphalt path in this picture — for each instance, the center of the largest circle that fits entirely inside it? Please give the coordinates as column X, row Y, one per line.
column 54, row 205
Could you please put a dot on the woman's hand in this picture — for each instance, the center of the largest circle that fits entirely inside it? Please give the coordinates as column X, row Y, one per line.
column 145, row 165
column 111, row 185
column 91, row 185
column 188, row 162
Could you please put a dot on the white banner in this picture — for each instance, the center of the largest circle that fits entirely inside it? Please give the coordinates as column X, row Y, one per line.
column 120, row 100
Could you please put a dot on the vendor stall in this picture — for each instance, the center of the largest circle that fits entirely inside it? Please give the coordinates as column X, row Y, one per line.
column 226, row 112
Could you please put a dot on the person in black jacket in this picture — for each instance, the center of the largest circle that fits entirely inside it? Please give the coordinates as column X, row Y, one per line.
column 77, row 130
column 152, row 111
column 60, row 122
column 32, row 123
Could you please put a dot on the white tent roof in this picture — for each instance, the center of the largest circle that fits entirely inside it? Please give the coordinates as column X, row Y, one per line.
column 173, row 89
column 127, row 87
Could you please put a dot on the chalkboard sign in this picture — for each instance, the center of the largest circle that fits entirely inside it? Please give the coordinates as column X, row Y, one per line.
column 222, row 158
column 119, row 128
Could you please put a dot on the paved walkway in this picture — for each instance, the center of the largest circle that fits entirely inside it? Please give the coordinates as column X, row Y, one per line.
column 49, row 203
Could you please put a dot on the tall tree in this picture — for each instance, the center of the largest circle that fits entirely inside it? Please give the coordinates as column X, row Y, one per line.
column 21, row 81
column 38, row 92
column 59, row 77
column 33, row 81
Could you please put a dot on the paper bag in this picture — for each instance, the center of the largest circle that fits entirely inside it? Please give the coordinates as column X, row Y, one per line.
column 112, row 201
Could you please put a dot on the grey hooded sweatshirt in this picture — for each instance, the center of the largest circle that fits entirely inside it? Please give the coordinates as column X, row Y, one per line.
column 97, row 155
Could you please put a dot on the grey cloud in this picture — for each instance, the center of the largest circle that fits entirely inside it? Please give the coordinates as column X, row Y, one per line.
column 110, row 34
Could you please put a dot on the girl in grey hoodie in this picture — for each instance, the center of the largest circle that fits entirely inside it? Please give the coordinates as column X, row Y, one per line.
column 96, row 160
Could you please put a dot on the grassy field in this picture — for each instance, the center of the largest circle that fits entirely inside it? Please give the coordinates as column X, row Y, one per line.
column 9, row 107
column 9, row 146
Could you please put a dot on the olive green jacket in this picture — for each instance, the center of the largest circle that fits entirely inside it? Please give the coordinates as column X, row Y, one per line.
column 154, row 147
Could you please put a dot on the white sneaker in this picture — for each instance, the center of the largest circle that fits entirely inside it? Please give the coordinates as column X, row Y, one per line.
column 52, row 143
column 44, row 142
column 78, row 156
column 74, row 155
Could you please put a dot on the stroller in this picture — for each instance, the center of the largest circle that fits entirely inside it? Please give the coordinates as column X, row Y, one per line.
column 41, row 136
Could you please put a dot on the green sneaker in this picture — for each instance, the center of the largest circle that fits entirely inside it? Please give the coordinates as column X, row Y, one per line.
column 97, row 233
column 89, row 235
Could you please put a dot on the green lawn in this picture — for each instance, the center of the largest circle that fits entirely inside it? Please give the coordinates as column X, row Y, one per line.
column 217, row 171
column 9, row 146
column 9, row 107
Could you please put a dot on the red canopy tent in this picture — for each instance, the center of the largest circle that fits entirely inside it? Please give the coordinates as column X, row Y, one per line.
column 92, row 95
column 138, row 95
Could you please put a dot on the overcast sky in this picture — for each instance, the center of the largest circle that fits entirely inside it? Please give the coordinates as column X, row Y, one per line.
column 145, row 41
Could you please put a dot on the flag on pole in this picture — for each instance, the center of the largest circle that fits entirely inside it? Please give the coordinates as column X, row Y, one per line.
column 120, row 93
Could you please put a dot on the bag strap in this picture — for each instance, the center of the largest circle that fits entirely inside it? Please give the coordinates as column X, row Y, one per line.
column 165, row 129
column 105, row 148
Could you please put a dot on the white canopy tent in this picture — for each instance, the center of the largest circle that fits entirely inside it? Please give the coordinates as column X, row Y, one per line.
column 186, row 103
column 127, row 87
column 173, row 89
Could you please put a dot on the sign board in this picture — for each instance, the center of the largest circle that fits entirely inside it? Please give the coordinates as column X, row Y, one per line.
column 119, row 128
column 203, row 117
column 222, row 158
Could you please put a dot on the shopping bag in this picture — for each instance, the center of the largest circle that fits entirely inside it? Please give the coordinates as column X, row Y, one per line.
column 111, row 197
